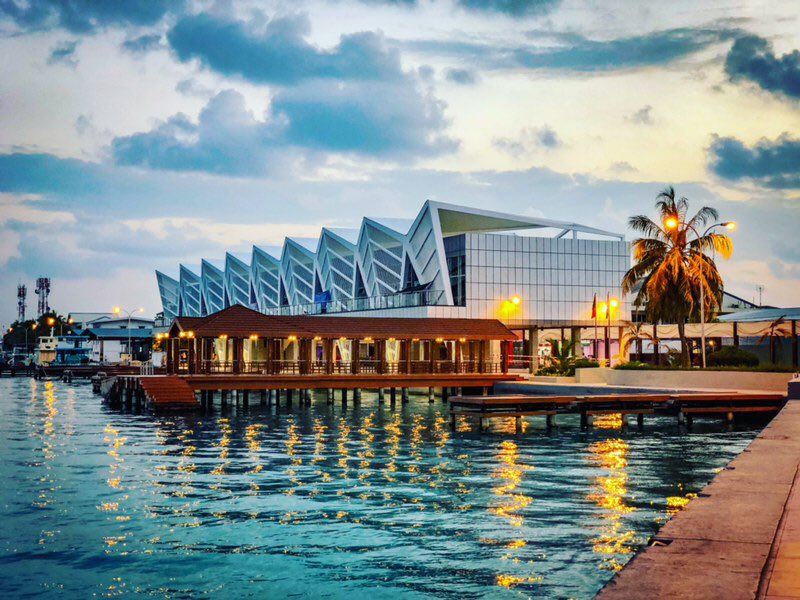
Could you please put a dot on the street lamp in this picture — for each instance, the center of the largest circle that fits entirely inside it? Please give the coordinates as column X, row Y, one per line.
column 119, row 311
column 672, row 223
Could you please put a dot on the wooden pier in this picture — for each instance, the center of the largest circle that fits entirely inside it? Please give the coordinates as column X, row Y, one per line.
column 684, row 406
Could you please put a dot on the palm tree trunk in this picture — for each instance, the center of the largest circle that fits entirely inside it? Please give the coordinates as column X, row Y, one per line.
column 684, row 342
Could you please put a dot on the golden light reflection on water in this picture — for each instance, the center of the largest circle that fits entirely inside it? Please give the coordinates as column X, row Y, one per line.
column 223, row 444
column 115, row 442
column 512, row 502
column 609, row 493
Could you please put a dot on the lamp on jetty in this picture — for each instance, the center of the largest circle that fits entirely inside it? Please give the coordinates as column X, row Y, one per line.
column 119, row 311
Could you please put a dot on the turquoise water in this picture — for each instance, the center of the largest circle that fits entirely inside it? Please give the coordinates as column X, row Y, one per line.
column 319, row 502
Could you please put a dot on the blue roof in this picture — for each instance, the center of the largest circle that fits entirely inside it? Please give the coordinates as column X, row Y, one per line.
column 762, row 314
column 119, row 334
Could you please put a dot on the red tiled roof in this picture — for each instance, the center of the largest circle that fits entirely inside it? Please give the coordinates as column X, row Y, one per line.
column 239, row 321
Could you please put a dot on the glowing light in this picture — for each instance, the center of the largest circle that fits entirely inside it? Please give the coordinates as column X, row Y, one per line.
column 462, row 340
column 368, row 340
column 439, row 340
column 223, row 336
column 515, row 300
column 317, row 338
column 671, row 223
column 614, row 303
column 51, row 321
column 253, row 337
column 182, row 334
column 730, row 225
column 190, row 334
column 292, row 338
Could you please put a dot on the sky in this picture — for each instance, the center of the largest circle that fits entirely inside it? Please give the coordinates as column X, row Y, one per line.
column 137, row 135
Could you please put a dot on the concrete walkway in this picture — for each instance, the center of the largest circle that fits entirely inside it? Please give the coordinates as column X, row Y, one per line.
column 739, row 539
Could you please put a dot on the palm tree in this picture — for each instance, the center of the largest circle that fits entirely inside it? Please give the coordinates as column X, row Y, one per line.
column 774, row 333
column 562, row 355
column 633, row 332
column 672, row 264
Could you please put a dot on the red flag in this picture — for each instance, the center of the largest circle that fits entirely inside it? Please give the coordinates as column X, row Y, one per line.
column 594, row 307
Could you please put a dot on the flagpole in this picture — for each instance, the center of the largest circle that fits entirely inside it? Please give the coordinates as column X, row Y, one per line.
column 594, row 314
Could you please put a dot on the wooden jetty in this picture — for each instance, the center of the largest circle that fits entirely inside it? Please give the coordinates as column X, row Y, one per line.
column 684, row 406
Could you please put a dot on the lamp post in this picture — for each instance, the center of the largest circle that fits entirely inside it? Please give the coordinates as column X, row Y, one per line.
column 120, row 311
column 672, row 223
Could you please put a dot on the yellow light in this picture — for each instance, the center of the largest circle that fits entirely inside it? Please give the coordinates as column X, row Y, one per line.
column 730, row 225
column 253, row 337
column 342, row 339
column 671, row 223
column 414, row 339
column 223, row 336
column 317, row 338
column 368, row 339
column 462, row 340
column 292, row 338
column 70, row 322
column 515, row 300
column 10, row 329
column 614, row 303
column 166, row 335
column 391, row 339
column 141, row 310
column 602, row 308
column 34, row 326
column 182, row 334
column 51, row 321
column 158, row 336
column 439, row 340
column 117, row 310
column 190, row 334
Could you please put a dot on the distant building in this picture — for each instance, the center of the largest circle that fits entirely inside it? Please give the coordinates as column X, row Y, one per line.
column 81, row 320
column 109, row 338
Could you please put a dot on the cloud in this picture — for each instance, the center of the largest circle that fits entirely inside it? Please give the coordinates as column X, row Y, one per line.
column 278, row 52
column 751, row 58
column 461, row 76
column 227, row 139
column 577, row 53
column 622, row 167
column 528, row 141
column 190, row 87
column 514, row 8
column 379, row 119
column 63, row 53
column 85, row 16
column 771, row 164
column 142, row 44
column 643, row 116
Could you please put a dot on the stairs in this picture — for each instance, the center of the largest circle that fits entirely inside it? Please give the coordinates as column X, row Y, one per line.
column 168, row 392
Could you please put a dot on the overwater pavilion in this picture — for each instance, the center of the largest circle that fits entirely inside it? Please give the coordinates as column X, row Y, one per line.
column 241, row 341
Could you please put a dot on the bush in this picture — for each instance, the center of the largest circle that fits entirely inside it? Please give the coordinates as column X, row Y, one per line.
column 633, row 365
column 586, row 363
column 731, row 356
column 548, row 371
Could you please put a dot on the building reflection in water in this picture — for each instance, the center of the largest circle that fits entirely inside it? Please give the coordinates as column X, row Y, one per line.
column 614, row 539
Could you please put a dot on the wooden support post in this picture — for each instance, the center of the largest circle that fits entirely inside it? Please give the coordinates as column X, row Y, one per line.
column 518, row 424
column 681, row 417
column 445, row 394
column 263, row 397
column 533, row 345
column 432, row 348
column 585, row 420
column 344, row 396
column 330, row 395
column 223, row 398
column 431, row 395
column 392, row 395
column 381, row 398
column 640, row 420
column 308, row 397
column 736, row 334
column 729, row 417
column 289, row 394
column 550, row 420
column 404, row 395
column 453, row 421
column 656, row 344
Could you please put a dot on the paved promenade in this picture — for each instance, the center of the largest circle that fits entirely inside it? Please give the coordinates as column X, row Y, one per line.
column 739, row 539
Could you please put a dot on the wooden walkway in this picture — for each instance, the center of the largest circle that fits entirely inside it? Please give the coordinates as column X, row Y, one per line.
column 685, row 406
column 147, row 390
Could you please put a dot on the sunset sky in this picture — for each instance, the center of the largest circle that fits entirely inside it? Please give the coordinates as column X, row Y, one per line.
column 138, row 135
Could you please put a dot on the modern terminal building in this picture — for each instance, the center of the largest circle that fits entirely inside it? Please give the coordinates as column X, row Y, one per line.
column 449, row 262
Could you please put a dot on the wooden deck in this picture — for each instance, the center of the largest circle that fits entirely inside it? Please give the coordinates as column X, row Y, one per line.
column 685, row 406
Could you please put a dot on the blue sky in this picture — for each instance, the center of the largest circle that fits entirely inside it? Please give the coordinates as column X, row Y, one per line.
column 137, row 135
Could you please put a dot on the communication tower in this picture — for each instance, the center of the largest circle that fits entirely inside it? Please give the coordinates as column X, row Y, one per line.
column 43, row 291
column 22, row 295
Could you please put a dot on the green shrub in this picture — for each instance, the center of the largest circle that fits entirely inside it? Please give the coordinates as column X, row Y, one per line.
column 633, row 365
column 731, row 356
column 548, row 371
column 586, row 363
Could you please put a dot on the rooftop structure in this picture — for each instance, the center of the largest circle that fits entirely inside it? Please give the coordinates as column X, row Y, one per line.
column 450, row 261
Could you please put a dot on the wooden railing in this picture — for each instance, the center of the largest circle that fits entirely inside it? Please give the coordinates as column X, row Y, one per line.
column 363, row 367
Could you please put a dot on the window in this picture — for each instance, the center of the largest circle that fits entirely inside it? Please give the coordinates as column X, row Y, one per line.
column 456, row 266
